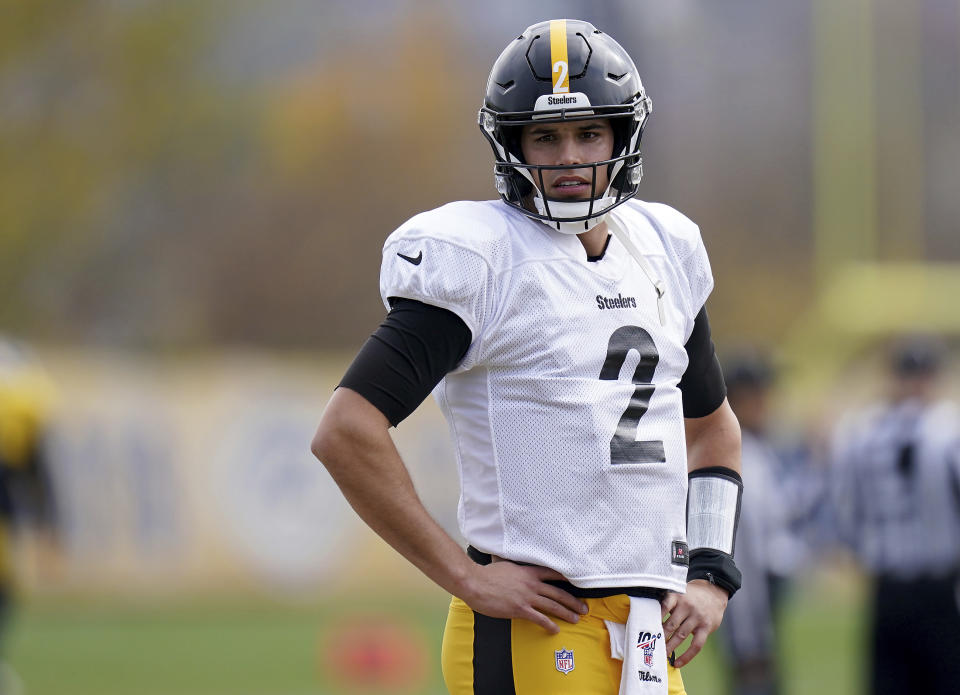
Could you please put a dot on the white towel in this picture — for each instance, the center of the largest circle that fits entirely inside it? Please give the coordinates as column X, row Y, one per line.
column 642, row 648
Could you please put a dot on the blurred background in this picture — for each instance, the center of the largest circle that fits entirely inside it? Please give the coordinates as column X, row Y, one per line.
column 193, row 198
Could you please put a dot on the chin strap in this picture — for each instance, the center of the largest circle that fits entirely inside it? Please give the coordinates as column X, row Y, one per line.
column 579, row 208
column 648, row 270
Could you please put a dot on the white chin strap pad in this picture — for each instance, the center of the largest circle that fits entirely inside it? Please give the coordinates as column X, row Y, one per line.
column 560, row 211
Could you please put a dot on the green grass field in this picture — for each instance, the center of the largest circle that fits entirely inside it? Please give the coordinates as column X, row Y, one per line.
column 256, row 646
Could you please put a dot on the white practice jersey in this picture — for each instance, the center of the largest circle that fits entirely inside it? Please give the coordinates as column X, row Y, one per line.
column 565, row 412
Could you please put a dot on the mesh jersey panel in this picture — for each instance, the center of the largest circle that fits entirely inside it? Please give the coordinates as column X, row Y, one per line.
column 532, row 419
column 456, row 269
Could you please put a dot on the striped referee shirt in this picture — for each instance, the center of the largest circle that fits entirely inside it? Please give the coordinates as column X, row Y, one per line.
column 896, row 488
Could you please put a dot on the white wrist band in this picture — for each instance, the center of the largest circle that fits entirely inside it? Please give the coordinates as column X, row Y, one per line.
column 713, row 509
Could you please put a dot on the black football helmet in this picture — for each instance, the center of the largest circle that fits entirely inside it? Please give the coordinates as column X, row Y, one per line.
column 564, row 70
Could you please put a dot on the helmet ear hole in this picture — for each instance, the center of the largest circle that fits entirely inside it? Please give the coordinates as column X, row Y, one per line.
column 628, row 178
column 521, row 187
column 518, row 187
column 511, row 184
column 623, row 131
column 510, row 137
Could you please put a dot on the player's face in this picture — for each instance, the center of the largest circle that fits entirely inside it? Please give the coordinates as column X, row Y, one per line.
column 573, row 142
column 921, row 386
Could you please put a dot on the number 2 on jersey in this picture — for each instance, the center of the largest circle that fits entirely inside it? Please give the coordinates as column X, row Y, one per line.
column 624, row 447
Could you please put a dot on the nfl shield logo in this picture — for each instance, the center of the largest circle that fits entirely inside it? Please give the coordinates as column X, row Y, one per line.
column 564, row 660
column 648, row 649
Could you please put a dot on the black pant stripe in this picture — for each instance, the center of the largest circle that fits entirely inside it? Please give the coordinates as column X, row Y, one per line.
column 492, row 657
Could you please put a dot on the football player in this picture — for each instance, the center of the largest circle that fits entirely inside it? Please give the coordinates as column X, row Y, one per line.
column 562, row 329
column 27, row 400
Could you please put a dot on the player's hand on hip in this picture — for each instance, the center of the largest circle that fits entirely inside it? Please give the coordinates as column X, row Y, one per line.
column 508, row 590
column 697, row 612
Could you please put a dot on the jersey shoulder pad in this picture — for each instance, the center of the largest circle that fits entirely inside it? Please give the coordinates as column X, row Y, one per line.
column 678, row 231
column 448, row 257
column 682, row 241
column 476, row 226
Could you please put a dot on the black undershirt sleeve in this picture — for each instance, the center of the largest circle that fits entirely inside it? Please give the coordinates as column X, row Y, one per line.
column 407, row 356
column 702, row 384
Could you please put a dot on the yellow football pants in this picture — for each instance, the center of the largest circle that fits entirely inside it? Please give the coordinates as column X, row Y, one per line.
column 491, row 656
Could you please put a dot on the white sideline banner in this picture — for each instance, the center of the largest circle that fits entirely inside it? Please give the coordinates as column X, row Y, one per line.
column 195, row 472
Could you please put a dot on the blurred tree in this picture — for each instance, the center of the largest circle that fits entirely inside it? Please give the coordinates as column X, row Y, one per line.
column 103, row 113
column 175, row 173
column 353, row 145
column 147, row 200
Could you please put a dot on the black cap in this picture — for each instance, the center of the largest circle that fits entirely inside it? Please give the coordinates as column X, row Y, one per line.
column 916, row 356
column 748, row 369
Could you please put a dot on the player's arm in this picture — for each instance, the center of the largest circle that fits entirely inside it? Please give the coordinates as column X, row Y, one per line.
column 393, row 373
column 713, row 462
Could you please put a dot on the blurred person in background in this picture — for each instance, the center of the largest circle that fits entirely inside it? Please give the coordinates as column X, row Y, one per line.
column 896, row 494
column 26, row 496
column 27, row 400
column 766, row 549
column 585, row 568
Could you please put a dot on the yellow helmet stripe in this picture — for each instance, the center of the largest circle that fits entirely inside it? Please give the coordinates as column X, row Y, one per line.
column 558, row 56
